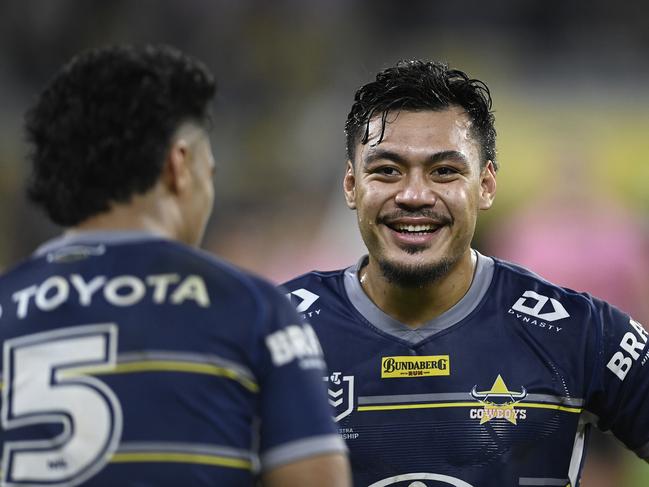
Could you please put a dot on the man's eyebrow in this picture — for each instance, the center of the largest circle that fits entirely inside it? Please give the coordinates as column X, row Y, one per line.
column 375, row 154
column 449, row 155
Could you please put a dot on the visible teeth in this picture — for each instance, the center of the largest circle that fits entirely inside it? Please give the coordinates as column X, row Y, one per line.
column 415, row 228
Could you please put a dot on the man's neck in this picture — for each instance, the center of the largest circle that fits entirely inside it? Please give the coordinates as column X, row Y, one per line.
column 109, row 223
column 144, row 213
column 415, row 306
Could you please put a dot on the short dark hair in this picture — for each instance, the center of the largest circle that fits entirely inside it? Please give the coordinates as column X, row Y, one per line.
column 420, row 85
column 100, row 130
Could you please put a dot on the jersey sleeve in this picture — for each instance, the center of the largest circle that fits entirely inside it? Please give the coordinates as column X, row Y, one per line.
column 296, row 418
column 620, row 396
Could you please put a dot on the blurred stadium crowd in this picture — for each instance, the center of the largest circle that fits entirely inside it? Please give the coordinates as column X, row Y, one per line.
column 572, row 113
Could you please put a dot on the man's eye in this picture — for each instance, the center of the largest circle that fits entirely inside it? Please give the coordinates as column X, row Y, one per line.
column 387, row 171
column 445, row 171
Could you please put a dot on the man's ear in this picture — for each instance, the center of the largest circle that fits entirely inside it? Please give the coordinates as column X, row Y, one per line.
column 176, row 173
column 487, row 186
column 349, row 186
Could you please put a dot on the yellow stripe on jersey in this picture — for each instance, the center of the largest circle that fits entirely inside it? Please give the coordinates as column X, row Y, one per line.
column 160, row 457
column 165, row 366
column 556, row 407
column 434, row 405
column 441, row 405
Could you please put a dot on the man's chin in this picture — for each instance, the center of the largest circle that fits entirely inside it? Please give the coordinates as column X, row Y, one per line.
column 414, row 274
column 413, row 249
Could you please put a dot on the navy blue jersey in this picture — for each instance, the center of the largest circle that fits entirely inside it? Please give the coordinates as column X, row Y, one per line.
column 133, row 360
column 498, row 391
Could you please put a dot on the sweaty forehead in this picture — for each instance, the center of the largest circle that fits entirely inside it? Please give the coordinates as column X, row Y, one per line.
column 424, row 130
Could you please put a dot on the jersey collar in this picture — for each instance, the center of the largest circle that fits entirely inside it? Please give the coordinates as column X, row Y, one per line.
column 365, row 306
column 94, row 237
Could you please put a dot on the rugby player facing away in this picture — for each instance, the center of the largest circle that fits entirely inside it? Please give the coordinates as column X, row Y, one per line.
column 448, row 367
column 129, row 357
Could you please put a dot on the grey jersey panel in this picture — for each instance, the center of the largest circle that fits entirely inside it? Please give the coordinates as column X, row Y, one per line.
column 482, row 277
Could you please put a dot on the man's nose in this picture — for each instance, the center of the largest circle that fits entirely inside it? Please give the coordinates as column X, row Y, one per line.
column 416, row 192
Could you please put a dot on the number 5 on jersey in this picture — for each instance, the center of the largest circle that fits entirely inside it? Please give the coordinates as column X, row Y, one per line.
column 44, row 384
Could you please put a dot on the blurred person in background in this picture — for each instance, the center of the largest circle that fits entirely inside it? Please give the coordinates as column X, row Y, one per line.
column 448, row 367
column 129, row 357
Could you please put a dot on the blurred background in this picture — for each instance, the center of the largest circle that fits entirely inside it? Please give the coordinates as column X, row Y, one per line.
column 569, row 84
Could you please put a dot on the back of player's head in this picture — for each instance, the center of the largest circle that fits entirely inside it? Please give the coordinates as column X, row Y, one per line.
column 100, row 130
column 419, row 85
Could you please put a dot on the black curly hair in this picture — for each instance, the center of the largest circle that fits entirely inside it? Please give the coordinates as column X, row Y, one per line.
column 420, row 85
column 100, row 129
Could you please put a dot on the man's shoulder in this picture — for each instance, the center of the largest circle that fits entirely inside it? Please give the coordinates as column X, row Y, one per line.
column 215, row 270
column 211, row 264
column 538, row 293
column 309, row 290
column 314, row 278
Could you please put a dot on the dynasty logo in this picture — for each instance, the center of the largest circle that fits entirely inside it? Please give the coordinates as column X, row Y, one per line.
column 417, row 366
column 499, row 403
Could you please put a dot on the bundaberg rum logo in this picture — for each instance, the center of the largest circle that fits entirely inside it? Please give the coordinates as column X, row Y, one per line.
column 415, row 366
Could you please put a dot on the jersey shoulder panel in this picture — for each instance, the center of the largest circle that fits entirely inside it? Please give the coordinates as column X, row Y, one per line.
column 314, row 278
column 215, row 267
column 533, row 299
column 308, row 291
column 249, row 290
column 517, row 279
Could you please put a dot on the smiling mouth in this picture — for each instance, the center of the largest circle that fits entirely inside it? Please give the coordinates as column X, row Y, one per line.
column 408, row 229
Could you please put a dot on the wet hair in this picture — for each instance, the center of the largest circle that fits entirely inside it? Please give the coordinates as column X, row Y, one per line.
column 419, row 85
column 99, row 132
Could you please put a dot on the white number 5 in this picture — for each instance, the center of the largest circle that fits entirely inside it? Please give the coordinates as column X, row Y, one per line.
column 41, row 388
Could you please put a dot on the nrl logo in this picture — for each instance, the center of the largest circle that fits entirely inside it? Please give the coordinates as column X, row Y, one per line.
column 499, row 403
column 341, row 394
